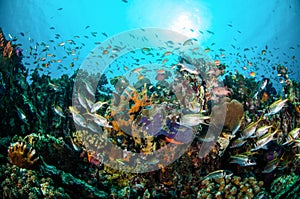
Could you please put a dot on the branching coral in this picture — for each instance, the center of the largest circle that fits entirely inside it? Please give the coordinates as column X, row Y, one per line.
column 22, row 155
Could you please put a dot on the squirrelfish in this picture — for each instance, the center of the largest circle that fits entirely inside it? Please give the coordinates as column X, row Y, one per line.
column 276, row 107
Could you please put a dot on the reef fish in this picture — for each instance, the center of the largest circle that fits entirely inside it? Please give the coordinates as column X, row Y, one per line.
column 271, row 166
column 250, row 129
column 242, row 160
column 188, row 68
column 264, row 140
column 97, row 105
column 237, row 143
column 292, row 136
column 261, row 131
column 193, row 119
column 218, row 174
column 58, row 111
column 22, row 115
column 276, row 107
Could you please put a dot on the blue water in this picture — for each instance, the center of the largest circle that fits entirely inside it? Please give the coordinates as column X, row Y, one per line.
column 230, row 25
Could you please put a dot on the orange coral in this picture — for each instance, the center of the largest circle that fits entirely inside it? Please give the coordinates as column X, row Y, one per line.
column 8, row 50
column 22, row 156
column 1, row 40
column 140, row 100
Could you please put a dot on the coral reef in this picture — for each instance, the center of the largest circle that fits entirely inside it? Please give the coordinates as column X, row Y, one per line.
column 234, row 113
column 286, row 186
column 231, row 187
column 45, row 155
column 25, row 157
column 22, row 183
column 22, row 155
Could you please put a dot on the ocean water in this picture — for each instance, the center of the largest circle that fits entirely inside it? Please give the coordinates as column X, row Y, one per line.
column 150, row 99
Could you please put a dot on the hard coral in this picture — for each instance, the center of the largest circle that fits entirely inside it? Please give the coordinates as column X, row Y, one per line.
column 23, row 183
column 231, row 187
column 22, row 155
column 234, row 113
column 233, row 110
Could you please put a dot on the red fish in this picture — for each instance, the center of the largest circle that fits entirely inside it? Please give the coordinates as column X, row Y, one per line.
column 172, row 141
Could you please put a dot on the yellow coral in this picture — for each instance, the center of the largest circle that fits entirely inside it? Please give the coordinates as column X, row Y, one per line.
column 22, row 156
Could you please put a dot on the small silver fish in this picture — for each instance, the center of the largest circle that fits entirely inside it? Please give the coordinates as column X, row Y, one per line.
column 89, row 88
column 193, row 119
column 264, row 140
column 292, row 136
column 97, row 106
column 61, row 44
column 79, row 120
column 237, row 143
column 242, row 160
column 271, row 166
column 21, row 115
column 54, row 86
column 186, row 68
column 264, row 84
column 81, row 100
column 276, row 107
column 218, row 174
column 250, row 129
column 294, row 133
column 100, row 120
column 58, row 110
column 89, row 102
column 261, row 131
